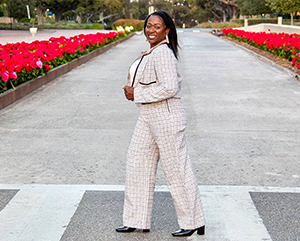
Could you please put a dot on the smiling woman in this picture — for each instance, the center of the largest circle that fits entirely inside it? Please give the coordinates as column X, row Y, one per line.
column 154, row 85
column 156, row 30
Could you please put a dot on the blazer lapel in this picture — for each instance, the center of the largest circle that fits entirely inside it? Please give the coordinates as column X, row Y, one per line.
column 143, row 65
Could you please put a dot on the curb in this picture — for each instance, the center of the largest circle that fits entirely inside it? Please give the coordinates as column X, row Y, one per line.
column 265, row 59
column 13, row 95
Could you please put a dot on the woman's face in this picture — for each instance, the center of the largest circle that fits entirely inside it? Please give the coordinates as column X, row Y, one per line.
column 155, row 30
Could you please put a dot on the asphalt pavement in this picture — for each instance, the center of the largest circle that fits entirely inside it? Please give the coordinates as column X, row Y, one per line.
column 63, row 147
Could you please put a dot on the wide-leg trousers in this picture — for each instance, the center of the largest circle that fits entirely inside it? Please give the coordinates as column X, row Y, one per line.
column 160, row 135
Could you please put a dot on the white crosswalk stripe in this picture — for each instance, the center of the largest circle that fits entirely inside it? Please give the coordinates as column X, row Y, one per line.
column 45, row 211
column 37, row 213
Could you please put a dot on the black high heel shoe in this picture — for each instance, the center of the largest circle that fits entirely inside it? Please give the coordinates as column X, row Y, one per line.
column 189, row 232
column 125, row 229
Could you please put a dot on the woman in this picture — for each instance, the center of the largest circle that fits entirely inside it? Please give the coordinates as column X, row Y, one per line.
column 154, row 85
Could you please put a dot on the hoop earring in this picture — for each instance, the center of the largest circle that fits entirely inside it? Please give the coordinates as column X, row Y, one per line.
column 167, row 38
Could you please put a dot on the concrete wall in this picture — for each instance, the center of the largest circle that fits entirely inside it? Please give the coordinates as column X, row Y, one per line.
column 5, row 20
column 264, row 27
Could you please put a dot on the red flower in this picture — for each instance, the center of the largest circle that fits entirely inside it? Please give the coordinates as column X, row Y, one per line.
column 18, row 68
column 5, row 76
column 21, row 56
column 46, row 67
column 28, row 68
column 13, row 75
column 11, row 67
column 281, row 44
column 32, row 64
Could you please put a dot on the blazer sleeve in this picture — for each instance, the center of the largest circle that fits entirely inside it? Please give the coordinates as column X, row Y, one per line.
column 165, row 66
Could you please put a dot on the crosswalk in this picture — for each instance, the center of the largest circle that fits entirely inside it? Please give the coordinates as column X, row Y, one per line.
column 43, row 212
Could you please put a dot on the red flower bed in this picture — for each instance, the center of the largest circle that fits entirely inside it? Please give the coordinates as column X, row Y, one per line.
column 281, row 44
column 21, row 62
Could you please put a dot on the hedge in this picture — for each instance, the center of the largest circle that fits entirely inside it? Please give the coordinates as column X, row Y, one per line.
column 138, row 25
column 219, row 25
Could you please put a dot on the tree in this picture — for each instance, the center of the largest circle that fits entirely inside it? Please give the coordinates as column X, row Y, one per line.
column 58, row 7
column 85, row 8
column 42, row 6
column 168, row 6
column 102, row 8
column 220, row 10
column 139, row 9
column 17, row 8
column 3, row 9
column 188, row 12
column 285, row 7
column 79, row 12
column 107, row 9
column 231, row 9
column 253, row 7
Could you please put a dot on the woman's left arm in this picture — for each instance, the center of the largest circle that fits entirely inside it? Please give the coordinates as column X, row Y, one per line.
column 165, row 65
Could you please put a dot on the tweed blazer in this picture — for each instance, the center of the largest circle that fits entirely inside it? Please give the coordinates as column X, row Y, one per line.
column 157, row 77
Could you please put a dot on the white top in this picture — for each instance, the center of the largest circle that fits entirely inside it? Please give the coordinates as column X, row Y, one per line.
column 133, row 69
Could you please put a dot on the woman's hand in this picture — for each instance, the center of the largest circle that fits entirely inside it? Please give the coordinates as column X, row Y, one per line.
column 129, row 92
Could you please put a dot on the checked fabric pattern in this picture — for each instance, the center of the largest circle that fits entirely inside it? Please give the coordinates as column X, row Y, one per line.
column 159, row 135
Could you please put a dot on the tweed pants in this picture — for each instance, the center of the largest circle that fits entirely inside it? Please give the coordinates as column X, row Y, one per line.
column 160, row 135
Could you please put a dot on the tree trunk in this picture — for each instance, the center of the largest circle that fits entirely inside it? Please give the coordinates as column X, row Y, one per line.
column 235, row 12
column 58, row 17
column 79, row 19
column 88, row 17
column 223, row 11
column 292, row 19
column 40, row 13
column 224, row 15
column 216, row 16
column 101, row 19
